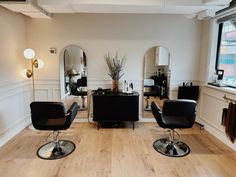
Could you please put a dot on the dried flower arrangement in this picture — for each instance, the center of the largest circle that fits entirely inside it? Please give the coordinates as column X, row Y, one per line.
column 115, row 66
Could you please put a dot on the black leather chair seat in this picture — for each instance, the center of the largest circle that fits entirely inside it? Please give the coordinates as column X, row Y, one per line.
column 57, row 124
column 175, row 122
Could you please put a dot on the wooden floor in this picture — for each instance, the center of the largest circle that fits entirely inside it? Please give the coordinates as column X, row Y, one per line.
column 82, row 114
column 118, row 152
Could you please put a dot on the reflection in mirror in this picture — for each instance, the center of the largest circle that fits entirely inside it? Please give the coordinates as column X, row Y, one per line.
column 75, row 77
column 156, row 78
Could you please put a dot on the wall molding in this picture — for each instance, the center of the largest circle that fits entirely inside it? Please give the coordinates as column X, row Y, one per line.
column 94, row 82
column 13, row 86
column 54, row 90
column 13, row 93
column 14, row 82
column 210, row 95
column 214, row 96
column 47, row 81
column 46, row 90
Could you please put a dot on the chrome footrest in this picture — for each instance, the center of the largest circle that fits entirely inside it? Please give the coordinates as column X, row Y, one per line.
column 51, row 151
column 171, row 148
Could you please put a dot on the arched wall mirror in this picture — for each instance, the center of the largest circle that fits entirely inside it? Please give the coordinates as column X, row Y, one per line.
column 73, row 66
column 156, row 78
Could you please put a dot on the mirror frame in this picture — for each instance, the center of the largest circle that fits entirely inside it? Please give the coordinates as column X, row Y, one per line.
column 62, row 67
column 168, row 74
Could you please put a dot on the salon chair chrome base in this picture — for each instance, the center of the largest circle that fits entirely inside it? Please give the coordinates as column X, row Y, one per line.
column 56, row 150
column 171, row 148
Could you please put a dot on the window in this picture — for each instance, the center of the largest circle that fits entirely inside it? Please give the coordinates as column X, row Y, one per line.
column 226, row 51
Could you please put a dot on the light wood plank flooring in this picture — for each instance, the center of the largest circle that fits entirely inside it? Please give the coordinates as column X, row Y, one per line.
column 118, row 152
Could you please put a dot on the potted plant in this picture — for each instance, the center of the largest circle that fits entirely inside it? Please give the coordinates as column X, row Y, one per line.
column 115, row 66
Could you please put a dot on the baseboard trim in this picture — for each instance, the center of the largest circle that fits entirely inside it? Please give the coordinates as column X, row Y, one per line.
column 217, row 133
column 13, row 130
column 91, row 120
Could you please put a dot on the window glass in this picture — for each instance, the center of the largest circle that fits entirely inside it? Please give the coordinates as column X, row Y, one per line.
column 227, row 52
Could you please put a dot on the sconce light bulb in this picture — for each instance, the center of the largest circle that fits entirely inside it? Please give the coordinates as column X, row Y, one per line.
column 29, row 53
column 23, row 73
column 40, row 63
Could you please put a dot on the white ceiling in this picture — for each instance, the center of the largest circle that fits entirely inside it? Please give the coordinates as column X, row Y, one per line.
column 132, row 6
column 190, row 8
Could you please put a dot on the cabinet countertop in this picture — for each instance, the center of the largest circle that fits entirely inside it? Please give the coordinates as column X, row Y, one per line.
column 117, row 94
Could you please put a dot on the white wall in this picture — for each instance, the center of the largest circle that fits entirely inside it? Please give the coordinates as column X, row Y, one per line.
column 130, row 35
column 205, row 47
column 14, row 90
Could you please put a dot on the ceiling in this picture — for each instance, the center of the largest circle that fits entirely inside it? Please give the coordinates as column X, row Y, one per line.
column 190, row 8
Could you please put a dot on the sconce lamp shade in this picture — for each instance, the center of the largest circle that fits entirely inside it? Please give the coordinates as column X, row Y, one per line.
column 23, row 73
column 29, row 53
column 40, row 63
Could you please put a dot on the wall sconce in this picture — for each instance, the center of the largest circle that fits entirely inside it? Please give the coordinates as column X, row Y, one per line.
column 29, row 54
column 35, row 63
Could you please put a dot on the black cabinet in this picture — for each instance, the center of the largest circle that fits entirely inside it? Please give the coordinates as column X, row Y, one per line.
column 111, row 107
column 188, row 92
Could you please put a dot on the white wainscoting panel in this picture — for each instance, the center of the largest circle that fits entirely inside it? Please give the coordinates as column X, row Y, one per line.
column 15, row 98
column 56, row 94
column 47, row 90
column 42, row 94
column 211, row 106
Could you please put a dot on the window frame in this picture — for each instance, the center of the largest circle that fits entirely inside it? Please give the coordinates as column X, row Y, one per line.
column 220, row 30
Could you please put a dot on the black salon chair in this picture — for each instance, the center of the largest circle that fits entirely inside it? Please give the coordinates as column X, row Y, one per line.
column 148, row 91
column 53, row 116
column 80, row 89
column 175, row 114
column 82, row 84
